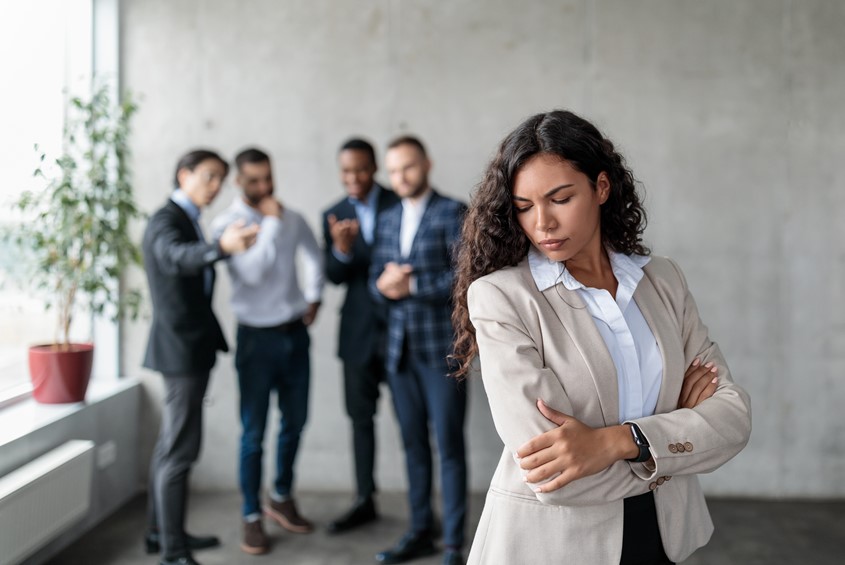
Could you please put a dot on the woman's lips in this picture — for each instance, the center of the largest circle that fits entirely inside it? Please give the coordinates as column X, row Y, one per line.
column 552, row 244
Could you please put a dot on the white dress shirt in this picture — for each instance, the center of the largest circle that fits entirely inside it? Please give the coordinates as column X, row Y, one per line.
column 629, row 339
column 265, row 283
column 412, row 214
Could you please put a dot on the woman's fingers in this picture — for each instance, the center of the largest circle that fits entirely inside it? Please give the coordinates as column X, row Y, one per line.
column 551, row 414
column 696, row 379
column 707, row 391
column 535, row 444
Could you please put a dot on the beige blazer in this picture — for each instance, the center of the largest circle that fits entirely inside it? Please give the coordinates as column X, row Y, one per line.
column 546, row 345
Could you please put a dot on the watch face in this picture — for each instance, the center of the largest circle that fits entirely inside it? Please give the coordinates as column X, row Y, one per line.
column 639, row 438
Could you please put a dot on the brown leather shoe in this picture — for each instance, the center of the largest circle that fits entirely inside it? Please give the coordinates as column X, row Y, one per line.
column 255, row 541
column 288, row 517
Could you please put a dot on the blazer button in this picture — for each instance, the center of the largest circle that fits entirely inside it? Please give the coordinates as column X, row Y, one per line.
column 688, row 446
column 667, row 477
column 652, row 486
column 660, row 481
column 680, row 447
column 673, row 448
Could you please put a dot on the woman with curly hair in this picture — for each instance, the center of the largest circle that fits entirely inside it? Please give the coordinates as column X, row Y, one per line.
column 603, row 383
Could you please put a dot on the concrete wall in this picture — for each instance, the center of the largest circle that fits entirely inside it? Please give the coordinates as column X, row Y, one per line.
column 730, row 113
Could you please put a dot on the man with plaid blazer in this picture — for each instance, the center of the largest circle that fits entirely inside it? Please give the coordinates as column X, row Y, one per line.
column 411, row 272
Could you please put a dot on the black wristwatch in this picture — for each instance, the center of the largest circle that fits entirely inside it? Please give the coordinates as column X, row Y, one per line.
column 642, row 444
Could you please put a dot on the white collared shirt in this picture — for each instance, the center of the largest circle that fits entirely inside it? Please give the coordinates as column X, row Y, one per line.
column 265, row 285
column 412, row 214
column 629, row 339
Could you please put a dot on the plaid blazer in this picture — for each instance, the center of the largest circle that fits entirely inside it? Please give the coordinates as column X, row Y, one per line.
column 421, row 322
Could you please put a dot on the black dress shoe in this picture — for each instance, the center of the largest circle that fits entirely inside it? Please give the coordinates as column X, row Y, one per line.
column 152, row 542
column 411, row 546
column 184, row 560
column 452, row 557
column 362, row 512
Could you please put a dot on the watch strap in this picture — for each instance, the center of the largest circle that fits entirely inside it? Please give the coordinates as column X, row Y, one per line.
column 642, row 443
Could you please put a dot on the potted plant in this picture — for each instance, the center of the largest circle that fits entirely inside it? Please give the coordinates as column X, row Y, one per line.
column 75, row 237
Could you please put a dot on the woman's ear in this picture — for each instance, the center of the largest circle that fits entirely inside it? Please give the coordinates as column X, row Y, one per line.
column 603, row 187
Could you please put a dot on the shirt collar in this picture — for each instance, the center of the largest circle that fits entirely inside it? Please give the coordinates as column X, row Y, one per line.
column 370, row 201
column 241, row 206
column 420, row 204
column 628, row 270
column 185, row 203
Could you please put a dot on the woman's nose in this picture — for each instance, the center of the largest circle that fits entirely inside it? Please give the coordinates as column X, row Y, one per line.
column 545, row 221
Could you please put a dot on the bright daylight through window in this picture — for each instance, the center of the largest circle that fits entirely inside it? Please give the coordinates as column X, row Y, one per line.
column 45, row 52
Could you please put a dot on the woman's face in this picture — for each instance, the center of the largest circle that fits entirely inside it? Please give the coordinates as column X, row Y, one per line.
column 558, row 208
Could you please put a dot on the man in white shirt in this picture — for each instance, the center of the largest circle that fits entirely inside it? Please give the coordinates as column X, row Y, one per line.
column 273, row 313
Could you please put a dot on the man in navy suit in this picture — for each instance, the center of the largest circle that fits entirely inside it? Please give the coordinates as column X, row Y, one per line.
column 184, row 340
column 349, row 228
column 412, row 273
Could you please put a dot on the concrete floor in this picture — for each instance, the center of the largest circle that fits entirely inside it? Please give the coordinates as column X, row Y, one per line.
column 747, row 533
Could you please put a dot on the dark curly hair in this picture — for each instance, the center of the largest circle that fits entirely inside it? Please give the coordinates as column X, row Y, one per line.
column 491, row 237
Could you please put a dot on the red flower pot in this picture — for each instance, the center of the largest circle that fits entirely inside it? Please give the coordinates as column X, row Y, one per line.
column 60, row 373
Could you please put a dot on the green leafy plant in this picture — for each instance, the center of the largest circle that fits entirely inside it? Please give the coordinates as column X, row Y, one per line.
column 75, row 233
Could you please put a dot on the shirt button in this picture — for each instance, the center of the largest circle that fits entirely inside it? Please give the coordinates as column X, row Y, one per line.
column 688, row 446
column 673, row 448
column 680, row 447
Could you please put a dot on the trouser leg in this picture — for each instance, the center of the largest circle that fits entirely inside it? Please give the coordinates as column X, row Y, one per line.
column 177, row 449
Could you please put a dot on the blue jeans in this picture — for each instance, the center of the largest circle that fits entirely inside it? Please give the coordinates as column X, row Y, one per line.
column 268, row 360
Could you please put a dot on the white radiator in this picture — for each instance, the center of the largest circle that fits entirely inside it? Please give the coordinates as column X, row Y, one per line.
column 42, row 498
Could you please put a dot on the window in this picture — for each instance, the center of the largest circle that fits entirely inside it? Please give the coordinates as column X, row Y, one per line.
column 45, row 53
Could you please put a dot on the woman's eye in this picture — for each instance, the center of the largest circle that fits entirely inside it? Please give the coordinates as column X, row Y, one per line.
column 562, row 200
column 522, row 209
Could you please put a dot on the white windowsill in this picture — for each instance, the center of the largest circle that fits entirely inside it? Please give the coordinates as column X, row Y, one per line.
column 24, row 417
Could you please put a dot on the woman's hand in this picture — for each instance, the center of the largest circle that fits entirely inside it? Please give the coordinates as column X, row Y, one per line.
column 571, row 451
column 700, row 382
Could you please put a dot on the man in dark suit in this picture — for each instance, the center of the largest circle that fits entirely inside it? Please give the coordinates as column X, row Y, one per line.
column 349, row 229
column 412, row 273
column 183, row 343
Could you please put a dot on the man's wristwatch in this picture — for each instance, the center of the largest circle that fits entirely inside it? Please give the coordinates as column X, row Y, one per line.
column 642, row 444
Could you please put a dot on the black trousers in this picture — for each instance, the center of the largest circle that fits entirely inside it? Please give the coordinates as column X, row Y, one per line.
column 176, row 450
column 641, row 542
column 361, row 392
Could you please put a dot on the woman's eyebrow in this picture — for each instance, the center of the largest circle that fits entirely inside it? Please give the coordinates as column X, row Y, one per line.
column 549, row 193
column 557, row 188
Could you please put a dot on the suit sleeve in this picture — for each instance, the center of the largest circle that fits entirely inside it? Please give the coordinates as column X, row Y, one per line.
column 175, row 255
column 514, row 378
column 252, row 265
column 312, row 263
column 379, row 258
column 717, row 429
column 436, row 286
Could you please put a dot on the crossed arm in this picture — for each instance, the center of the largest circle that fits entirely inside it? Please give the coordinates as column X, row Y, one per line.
column 569, row 463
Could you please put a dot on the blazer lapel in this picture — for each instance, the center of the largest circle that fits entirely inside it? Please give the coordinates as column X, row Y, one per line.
column 572, row 313
column 346, row 211
column 187, row 224
column 384, row 200
column 424, row 224
column 666, row 332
